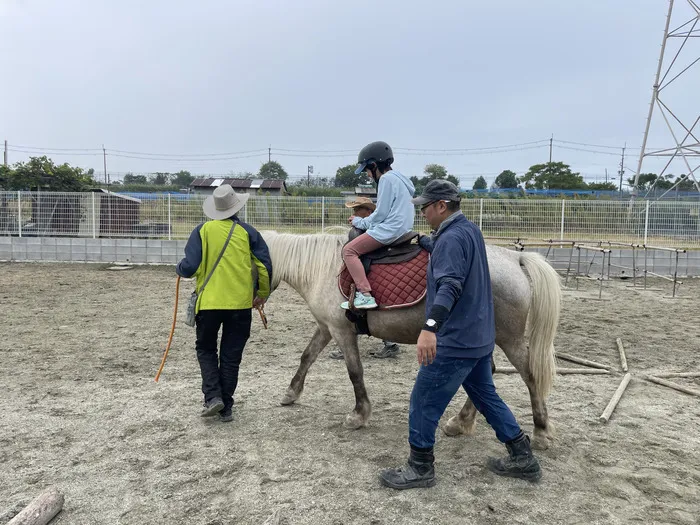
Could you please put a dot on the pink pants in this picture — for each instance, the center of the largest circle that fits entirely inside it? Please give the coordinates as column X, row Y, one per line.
column 351, row 255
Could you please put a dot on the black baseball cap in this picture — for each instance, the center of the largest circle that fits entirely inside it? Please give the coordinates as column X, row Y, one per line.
column 438, row 190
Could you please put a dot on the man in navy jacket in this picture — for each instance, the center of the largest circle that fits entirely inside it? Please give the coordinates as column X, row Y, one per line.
column 455, row 346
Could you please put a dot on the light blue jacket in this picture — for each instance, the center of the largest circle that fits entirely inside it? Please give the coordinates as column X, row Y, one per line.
column 395, row 212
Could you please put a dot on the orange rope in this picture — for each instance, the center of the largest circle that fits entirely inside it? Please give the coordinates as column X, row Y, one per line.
column 172, row 330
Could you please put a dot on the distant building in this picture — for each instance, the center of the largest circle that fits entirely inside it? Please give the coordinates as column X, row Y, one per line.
column 206, row 186
column 366, row 191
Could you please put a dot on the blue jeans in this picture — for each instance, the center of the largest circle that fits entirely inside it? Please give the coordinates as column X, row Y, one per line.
column 436, row 385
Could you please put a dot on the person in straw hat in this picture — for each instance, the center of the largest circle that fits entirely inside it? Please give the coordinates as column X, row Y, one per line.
column 230, row 294
column 363, row 207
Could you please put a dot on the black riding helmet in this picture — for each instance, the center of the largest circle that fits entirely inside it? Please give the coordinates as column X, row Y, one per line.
column 374, row 152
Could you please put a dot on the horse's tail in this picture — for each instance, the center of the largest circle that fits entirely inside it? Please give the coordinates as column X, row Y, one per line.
column 545, row 306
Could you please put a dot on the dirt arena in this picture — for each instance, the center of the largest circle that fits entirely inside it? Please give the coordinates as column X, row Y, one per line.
column 79, row 348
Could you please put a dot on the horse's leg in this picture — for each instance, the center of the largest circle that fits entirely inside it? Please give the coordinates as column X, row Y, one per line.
column 318, row 342
column 518, row 354
column 462, row 423
column 347, row 341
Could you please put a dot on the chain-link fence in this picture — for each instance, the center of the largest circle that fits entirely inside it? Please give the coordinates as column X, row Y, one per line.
column 173, row 216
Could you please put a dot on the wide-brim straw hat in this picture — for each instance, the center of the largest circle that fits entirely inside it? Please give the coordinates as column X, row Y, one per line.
column 224, row 202
column 364, row 202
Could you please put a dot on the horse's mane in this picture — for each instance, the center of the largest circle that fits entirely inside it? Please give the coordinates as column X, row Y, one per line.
column 304, row 258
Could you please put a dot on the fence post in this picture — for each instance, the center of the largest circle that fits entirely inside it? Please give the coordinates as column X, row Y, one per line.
column 481, row 212
column 646, row 223
column 19, row 211
column 323, row 213
column 94, row 221
column 170, row 221
column 561, row 231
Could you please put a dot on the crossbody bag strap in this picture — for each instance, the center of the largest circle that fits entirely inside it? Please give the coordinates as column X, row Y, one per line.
column 218, row 259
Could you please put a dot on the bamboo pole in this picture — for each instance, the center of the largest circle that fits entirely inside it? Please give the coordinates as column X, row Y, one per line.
column 40, row 511
column 581, row 361
column 678, row 374
column 605, row 416
column 675, row 386
column 583, row 371
column 623, row 358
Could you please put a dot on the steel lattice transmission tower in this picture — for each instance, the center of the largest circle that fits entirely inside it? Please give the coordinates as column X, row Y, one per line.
column 685, row 146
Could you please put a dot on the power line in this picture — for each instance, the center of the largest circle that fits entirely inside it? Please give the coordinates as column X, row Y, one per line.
column 590, row 145
column 259, row 151
column 180, row 159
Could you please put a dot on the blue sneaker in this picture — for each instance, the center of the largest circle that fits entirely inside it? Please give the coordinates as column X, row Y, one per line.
column 362, row 302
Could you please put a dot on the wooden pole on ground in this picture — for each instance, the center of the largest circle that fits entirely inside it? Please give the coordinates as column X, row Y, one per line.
column 623, row 359
column 675, row 386
column 587, row 371
column 581, row 361
column 616, row 398
column 678, row 374
column 40, row 511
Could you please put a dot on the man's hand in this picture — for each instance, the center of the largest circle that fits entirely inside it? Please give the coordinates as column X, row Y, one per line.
column 351, row 218
column 258, row 301
column 426, row 348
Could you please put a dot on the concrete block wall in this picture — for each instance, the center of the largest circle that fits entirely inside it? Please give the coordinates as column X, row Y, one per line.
column 67, row 249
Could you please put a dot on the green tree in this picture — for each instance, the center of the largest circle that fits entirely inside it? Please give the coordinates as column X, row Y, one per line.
column 272, row 170
column 345, row 177
column 480, row 183
column 606, row 186
column 432, row 172
column 41, row 173
column 160, row 178
column 646, row 181
column 553, row 175
column 130, row 178
column 507, row 179
column 241, row 175
column 182, row 179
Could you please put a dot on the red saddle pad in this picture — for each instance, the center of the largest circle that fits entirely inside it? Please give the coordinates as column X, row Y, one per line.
column 395, row 285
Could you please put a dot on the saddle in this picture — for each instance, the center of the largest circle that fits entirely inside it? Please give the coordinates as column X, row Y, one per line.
column 397, row 273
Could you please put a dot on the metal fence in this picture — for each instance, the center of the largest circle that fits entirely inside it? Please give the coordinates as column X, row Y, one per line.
column 173, row 216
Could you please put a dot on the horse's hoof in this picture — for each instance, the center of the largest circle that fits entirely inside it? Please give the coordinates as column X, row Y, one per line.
column 355, row 421
column 540, row 442
column 454, row 427
column 289, row 398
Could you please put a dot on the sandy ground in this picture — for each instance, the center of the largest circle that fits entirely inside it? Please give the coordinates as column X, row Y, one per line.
column 79, row 347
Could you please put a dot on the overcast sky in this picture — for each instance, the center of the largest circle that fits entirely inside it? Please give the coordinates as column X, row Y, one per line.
column 193, row 78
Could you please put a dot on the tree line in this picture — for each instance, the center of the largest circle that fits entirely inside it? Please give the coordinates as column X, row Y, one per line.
column 41, row 173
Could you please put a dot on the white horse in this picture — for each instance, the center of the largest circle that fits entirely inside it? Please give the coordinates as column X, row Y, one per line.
column 527, row 301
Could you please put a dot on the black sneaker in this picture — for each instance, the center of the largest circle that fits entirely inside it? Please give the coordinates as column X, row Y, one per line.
column 226, row 416
column 408, row 476
column 387, row 351
column 212, row 407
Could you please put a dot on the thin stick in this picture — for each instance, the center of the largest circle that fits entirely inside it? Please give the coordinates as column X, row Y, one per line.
column 583, row 371
column 172, row 329
column 581, row 361
column 623, row 359
column 675, row 386
column 616, row 398
column 678, row 374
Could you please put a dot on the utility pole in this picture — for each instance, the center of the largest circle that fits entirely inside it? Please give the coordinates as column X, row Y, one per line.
column 104, row 159
column 551, row 139
column 269, row 153
column 5, row 155
column 309, row 171
column 622, row 165
column 606, row 175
